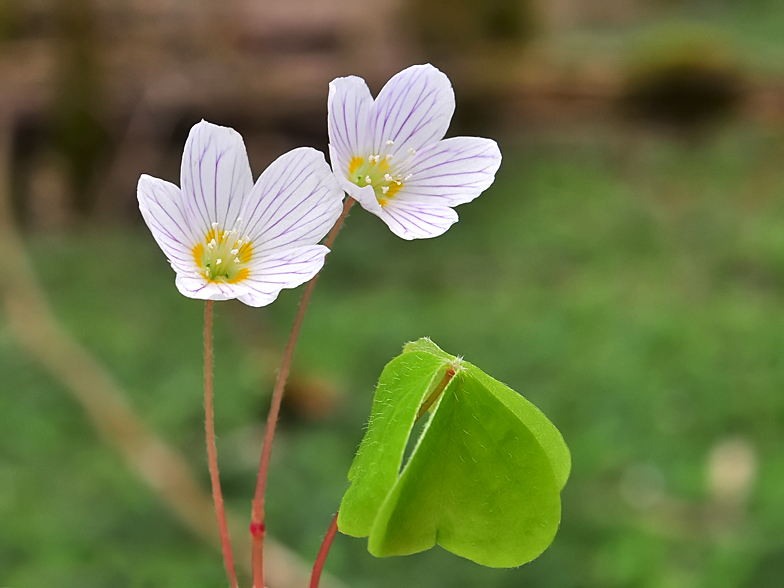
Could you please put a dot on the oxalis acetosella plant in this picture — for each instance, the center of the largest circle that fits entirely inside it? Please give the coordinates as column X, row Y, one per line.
column 484, row 477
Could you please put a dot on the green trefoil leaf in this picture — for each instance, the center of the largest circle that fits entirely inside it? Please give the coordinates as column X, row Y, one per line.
column 483, row 480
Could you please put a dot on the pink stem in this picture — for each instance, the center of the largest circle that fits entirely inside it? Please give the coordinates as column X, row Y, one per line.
column 212, row 451
column 257, row 527
column 323, row 552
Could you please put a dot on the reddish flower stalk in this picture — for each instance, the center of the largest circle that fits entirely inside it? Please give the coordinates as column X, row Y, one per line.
column 212, row 452
column 323, row 552
column 430, row 400
column 257, row 526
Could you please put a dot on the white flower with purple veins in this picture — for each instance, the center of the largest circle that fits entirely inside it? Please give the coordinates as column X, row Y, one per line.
column 390, row 155
column 227, row 237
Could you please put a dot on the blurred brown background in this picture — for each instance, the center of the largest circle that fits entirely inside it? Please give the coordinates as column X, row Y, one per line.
column 98, row 91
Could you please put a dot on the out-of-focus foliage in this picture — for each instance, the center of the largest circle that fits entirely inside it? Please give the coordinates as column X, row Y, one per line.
column 76, row 130
column 684, row 76
column 457, row 25
column 9, row 19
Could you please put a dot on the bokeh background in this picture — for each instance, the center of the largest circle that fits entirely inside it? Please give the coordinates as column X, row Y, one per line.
column 625, row 273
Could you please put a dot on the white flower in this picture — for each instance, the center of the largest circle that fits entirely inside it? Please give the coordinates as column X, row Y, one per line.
column 227, row 237
column 389, row 155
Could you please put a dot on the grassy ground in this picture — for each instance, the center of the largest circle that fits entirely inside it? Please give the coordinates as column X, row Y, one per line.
column 629, row 285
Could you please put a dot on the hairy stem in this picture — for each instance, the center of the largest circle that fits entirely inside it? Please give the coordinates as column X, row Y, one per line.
column 257, row 527
column 212, row 452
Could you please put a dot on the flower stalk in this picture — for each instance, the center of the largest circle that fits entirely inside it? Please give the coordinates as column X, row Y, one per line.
column 448, row 375
column 321, row 559
column 257, row 525
column 212, row 451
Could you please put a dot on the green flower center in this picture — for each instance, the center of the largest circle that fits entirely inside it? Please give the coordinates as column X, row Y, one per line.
column 376, row 171
column 223, row 256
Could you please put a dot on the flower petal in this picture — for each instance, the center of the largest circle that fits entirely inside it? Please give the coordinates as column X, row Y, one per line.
column 412, row 110
column 417, row 220
column 269, row 274
column 196, row 286
column 161, row 205
column 295, row 202
column 451, row 172
column 215, row 175
column 348, row 121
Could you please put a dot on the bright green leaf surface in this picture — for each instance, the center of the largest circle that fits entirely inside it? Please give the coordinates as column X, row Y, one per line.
column 426, row 345
column 479, row 484
column 548, row 436
column 483, row 480
column 545, row 432
column 402, row 387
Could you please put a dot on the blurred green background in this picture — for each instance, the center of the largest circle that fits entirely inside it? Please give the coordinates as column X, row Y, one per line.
column 625, row 273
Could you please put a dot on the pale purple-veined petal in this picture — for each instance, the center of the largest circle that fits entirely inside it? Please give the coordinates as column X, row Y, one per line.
column 269, row 274
column 296, row 201
column 451, row 172
column 348, row 121
column 412, row 110
column 417, row 220
column 194, row 285
column 161, row 205
column 215, row 175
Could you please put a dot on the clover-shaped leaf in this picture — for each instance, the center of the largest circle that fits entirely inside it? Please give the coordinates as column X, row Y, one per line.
column 483, row 480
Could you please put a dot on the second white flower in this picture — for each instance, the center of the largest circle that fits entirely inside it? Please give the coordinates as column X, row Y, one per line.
column 389, row 155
